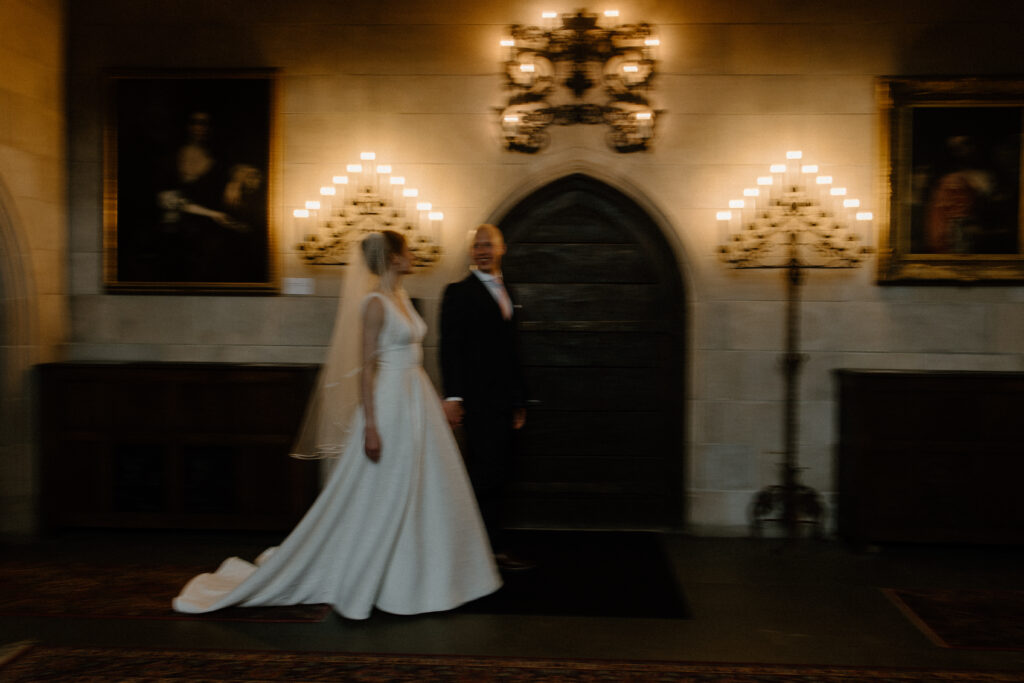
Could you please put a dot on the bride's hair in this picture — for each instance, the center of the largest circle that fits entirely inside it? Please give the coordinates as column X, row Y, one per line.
column 378, row 248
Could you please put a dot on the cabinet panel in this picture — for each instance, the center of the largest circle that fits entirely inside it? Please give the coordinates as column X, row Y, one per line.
column 173, row 445
column 931, row 456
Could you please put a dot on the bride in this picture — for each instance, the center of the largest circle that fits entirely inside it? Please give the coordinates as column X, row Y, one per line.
column 396, row 526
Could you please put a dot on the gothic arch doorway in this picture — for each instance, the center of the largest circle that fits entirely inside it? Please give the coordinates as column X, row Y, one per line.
column 18, row 351
column 602, row 320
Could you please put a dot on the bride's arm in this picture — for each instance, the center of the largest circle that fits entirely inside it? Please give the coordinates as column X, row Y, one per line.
column 373, row 319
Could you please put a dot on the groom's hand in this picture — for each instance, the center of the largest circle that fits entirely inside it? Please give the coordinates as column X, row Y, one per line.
column 453, row 411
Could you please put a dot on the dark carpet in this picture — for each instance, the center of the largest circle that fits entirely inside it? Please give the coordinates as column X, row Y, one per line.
column 975, row 619
column 578, row 573
column 30, row 662
column 53, row 588
column 588, row 573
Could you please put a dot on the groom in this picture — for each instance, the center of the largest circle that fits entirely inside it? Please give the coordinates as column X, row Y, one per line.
column 482, row 378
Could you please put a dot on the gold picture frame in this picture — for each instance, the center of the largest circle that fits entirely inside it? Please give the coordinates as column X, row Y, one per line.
column 189, row 182
column 952, row 159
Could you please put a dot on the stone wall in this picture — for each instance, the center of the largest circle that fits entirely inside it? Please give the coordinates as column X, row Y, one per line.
column 33, row 235
column 739, row 82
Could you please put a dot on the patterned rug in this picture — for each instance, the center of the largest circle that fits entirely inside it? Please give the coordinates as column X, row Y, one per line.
column 966, row 619
column 118, row 591
column 611, row 574
column 40, row 662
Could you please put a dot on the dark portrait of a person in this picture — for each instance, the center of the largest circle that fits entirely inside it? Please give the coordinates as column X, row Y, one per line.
column 192, row 190
column 966, row 180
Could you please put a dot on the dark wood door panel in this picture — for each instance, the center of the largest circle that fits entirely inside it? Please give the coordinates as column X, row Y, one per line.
column 598, row 389
column 621, row 302
column 594, row 433
column 580, row 263
column 619, row 473
column 595, row 348
column 600, row 304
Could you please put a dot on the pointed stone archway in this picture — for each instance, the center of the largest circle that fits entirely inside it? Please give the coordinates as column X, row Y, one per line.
column 603, row 334
column 19, row 347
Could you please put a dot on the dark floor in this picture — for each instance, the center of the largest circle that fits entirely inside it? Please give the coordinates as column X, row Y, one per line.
column 817, row 603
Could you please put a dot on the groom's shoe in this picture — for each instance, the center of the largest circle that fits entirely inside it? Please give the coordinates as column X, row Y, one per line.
column 511, row 563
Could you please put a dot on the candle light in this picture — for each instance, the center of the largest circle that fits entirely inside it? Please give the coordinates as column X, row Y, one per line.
column 300, row 224
column 755, row 198
column 343, row 181
column 724, row 218
column 644, row 123
column 356, row 169
column 394, row 182
column 421, row 209
column 326, row 203
column 435, row 224
column 364, row 178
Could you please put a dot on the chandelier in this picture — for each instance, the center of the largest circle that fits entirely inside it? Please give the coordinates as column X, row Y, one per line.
column 572, row 54
column 369, row 198
column 794, row 219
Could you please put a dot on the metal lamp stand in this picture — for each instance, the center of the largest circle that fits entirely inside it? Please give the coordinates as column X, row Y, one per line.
column 793, row 234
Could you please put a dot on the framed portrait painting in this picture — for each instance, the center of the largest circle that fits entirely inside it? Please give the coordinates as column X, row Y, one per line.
column 189, row 174
column 952, row 157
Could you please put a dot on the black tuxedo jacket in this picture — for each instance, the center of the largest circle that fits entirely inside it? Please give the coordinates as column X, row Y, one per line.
column 479, row 349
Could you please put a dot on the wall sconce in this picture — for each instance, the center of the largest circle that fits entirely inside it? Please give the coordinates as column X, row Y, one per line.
column 568, row 58
column 793, row 219
column 368, row 198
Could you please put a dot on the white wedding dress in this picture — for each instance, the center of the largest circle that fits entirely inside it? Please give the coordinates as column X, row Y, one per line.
column 403, row 534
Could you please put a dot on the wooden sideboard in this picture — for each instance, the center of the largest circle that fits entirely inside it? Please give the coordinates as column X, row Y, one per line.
column 173, row 445
column 934, row 457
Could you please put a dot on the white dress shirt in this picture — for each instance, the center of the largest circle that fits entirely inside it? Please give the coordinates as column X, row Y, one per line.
column 497, row 289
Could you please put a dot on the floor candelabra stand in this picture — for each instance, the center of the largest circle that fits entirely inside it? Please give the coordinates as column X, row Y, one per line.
column 794, row 232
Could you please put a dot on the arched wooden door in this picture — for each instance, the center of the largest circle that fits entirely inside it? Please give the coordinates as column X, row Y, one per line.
column 601, row 311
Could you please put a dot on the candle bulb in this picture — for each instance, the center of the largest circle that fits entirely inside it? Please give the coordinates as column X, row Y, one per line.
column 327, row 192
column 724, row 218
column 644, row 124
column 435, row 224
column 343, row 181
column 364, row 177
column 394, row 183
column 357, row 171
column 300, row 224
column 408, row 193
column 421, row 209
column 754, row 196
